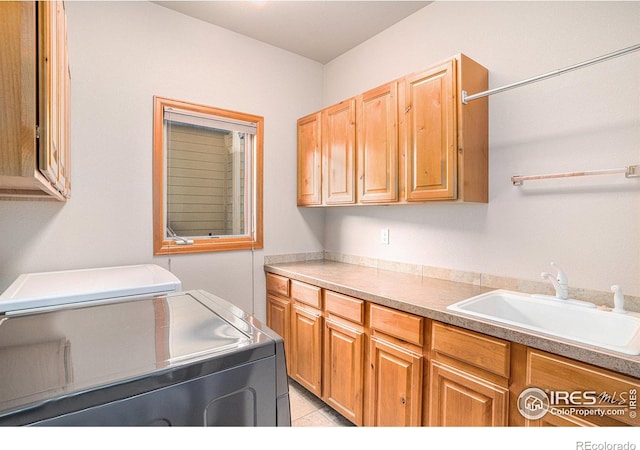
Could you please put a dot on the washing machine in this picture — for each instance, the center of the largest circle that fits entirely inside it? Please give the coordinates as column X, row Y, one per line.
column 102, row 356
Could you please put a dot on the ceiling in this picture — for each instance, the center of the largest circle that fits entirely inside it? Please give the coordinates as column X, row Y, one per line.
column 319, row 30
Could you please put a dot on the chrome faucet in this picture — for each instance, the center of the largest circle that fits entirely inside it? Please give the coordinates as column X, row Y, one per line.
column 559, row 282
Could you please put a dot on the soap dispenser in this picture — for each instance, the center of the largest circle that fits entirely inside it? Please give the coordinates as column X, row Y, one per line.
column 618, row 300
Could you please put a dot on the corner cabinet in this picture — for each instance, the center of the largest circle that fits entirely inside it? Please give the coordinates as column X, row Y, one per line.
column 35, row 87
column 414, row 141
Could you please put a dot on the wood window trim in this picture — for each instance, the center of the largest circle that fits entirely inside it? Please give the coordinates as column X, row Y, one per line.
column 163, row 246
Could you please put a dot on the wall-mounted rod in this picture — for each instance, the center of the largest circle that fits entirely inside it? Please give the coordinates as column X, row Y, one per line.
column 467, row 98
column 629, row 172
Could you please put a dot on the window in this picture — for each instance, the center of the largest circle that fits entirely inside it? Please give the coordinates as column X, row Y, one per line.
column 207, row 178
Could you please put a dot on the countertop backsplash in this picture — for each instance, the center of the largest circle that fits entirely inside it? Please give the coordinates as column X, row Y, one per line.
column 599, row 298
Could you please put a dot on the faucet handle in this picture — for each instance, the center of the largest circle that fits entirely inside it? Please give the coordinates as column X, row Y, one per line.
column 562, row 276
column 618, row 300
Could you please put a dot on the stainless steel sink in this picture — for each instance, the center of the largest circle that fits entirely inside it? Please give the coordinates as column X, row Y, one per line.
column 568, row 319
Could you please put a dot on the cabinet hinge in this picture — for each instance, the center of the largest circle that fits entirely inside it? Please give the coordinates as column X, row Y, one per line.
column 37, row 131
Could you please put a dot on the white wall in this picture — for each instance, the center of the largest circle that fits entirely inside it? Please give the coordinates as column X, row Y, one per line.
column 121, row 55
column 589, row 119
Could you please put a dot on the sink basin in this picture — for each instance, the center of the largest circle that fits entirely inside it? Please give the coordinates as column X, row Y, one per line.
column 572, row 320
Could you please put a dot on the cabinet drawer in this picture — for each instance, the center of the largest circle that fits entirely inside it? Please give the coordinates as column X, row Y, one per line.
column 278, row 284
column 555, row 373
column 346, row 307
column 398, row 324
column 482, row 351
column 306, row 293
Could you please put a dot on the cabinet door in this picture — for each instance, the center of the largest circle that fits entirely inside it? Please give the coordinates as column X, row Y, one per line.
column 461, row 399
column 54, row 98
column 395, row 385
column 430, row 133
column 306, row 348
column 343, row 370
column 338, row 143
column 378, row 145
column 279, row 320
column 611, row 400
column 309, row 161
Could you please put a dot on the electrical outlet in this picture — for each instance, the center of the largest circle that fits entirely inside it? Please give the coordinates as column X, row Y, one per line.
column 384, row 236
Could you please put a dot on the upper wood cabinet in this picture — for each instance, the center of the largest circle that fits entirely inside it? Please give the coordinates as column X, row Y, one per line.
column 309, row 160
column 445, row 142
column 415, row 140
column 338, row 153
column 430, row 134
column 35, row 87
column 377, row 122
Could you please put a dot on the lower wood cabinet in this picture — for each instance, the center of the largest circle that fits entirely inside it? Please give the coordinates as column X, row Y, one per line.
column 279, row 310
column 343, row 370
column 578, row 393
column 279, row 320
column 395, row 385
column 457, row 398
column 378, row 366
column 306, row 348
column 396, row 367
column 469, row 378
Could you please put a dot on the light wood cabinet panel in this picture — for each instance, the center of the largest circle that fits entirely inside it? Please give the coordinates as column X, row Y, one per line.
column 343, row 370
column 339, row 150
column 377, row 124
column 485, row 352
column 278, row 285
column 55, row 83
column 460, row 399
column 395, row 386
column 582, row 387
column 469, row 378
column 430, row 114
column 399, row 324
column 445, row 143
column 309, row 160
column 306, row 348
column 279, row 320
column 307, row 294
column 349, row 308
column 35, row 88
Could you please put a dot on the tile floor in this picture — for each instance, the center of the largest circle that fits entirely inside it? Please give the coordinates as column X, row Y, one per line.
column 309, row 411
